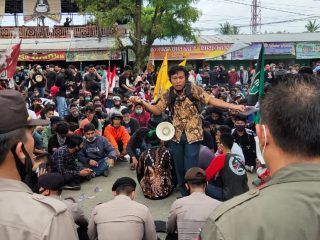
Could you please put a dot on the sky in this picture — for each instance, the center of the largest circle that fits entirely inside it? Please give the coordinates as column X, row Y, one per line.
column 276, row 15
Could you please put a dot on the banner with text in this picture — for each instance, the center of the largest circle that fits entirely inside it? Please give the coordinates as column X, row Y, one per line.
column 33, row 9
column 54, row 56
column 93, row 56
column 201, row 51
column 252, row 52
column 308, row 50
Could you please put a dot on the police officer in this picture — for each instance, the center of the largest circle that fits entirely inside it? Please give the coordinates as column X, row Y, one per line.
column 25, row 215
column 287, row 207
column 122, row 218
column 51, row 184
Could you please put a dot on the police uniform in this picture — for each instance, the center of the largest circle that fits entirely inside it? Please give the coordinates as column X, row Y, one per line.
column 25, row 215
column 121, row 218
column 288, row 207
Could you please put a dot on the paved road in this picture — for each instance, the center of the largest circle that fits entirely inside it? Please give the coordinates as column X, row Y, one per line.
column 88, row 198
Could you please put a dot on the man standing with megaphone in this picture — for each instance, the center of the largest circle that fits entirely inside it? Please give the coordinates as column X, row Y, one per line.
column 182, row 99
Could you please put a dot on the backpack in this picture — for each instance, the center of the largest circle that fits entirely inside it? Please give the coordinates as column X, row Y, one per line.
column 155, row 173
column 189, row 95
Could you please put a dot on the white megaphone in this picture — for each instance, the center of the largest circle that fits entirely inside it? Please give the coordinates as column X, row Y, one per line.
column 165, row 131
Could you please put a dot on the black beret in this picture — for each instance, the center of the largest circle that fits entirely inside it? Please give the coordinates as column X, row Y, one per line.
column 124, row 181
column 51, row 181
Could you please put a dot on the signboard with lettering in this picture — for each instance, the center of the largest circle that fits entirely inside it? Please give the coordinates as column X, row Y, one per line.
column 40, row 57
column 188, row 51
column 93, row 56
column 308, row 50
column 279, row 48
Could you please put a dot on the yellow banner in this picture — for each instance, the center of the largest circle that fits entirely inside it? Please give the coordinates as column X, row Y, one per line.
column 55, row 56
column 191, row 51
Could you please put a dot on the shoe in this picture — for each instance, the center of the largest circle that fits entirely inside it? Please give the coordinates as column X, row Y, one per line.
column 249, row 168
column 72, row 187
column 106, row 173
column 122, row 159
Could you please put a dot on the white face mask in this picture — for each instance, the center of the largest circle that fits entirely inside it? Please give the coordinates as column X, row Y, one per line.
column 92, row 140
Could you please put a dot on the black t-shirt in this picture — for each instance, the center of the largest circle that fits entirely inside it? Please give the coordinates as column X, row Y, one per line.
column 132, row 126
column 61, row 83
column 51, row 78
column 71, row 119
column 207, row 140
column 123, row 80
column 92, row 81
column 19, row 77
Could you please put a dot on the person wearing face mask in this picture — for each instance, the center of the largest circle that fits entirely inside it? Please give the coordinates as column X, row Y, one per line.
column 131, row 124
column 141, row 115
column 102, row 117
column 117, row 107
column 96, row 153
column 244, row 137
column 226, row 173
column 25, row 215
column 117, row 135
column 287, row 207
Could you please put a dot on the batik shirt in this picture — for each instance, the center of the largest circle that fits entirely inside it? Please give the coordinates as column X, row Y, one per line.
column 186, row 116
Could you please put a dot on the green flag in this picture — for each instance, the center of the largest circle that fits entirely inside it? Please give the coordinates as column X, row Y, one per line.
column 257, row 84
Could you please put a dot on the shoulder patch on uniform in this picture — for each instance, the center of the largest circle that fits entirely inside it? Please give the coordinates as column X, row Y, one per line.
column 56, row 205
column 226, row 206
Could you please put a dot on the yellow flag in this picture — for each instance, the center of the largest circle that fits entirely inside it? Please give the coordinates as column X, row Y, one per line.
column 162, row 79
column 183, row 63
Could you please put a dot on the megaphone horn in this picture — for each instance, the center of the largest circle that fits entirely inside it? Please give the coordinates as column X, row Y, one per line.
column 165, row 131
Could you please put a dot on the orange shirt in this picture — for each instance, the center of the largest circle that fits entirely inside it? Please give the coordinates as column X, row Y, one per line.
column 115, row 135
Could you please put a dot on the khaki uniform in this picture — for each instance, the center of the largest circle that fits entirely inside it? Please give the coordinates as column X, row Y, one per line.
column 25, row 215
column 288, row 207
column 121, row 219
column 73, row 208
column 189, row 214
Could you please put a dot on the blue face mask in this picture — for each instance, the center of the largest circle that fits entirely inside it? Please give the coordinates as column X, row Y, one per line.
column 87, row 98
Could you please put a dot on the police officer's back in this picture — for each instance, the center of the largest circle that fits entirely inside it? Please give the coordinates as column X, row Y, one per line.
column 288, row 207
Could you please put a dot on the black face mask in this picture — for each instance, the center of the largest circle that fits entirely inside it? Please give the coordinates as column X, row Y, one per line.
column 240, row 128
column 25, row 170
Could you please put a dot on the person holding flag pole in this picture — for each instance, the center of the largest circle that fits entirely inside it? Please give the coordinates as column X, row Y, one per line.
column 182, row 99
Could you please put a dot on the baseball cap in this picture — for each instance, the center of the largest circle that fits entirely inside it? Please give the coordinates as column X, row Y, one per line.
column 195, row 175
column 124, row 181
column 14, row 112
column 52, row 181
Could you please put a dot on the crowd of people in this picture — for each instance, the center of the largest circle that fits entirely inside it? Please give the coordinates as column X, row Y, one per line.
column 66, row 127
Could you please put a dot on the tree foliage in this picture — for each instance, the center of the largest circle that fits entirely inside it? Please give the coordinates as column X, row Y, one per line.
column 228, row 29
column 312, row 26
column 148, row 20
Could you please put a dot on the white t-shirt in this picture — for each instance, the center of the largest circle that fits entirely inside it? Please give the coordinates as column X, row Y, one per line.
column 236, row 149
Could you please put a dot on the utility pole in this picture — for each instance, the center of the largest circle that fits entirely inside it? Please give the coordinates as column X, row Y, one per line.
column 256, row 16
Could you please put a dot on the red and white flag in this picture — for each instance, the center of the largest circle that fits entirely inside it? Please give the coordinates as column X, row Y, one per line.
column 8, row 61
column 112, row 81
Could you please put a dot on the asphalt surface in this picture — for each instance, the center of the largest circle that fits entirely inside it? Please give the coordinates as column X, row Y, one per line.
column 98, row 190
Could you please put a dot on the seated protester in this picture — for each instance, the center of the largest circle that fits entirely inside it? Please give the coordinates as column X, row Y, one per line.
column 230, row 120
column 96, row 152
column 50, row 130
column 141, row 115
column 117, row 135
column 117, row 107
column 80, row 130
column 156, row 119
column 91, row 116
column 125, row 82
column 207, row 138
column 74, row 116
column 205, row 157
column 226, row 174
column 245, row 139
column 64, row 162
column 236, row 149
column 36, row 106
column 60, row 138
column 188, row 215
column 48, row 112
column 101, row 116
column 109, row 101
column 155, row 171
column 214, row 116
column 51, row 185
column 131, row 124
column 38, row 141
column 122, row 218
column 97, row 101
